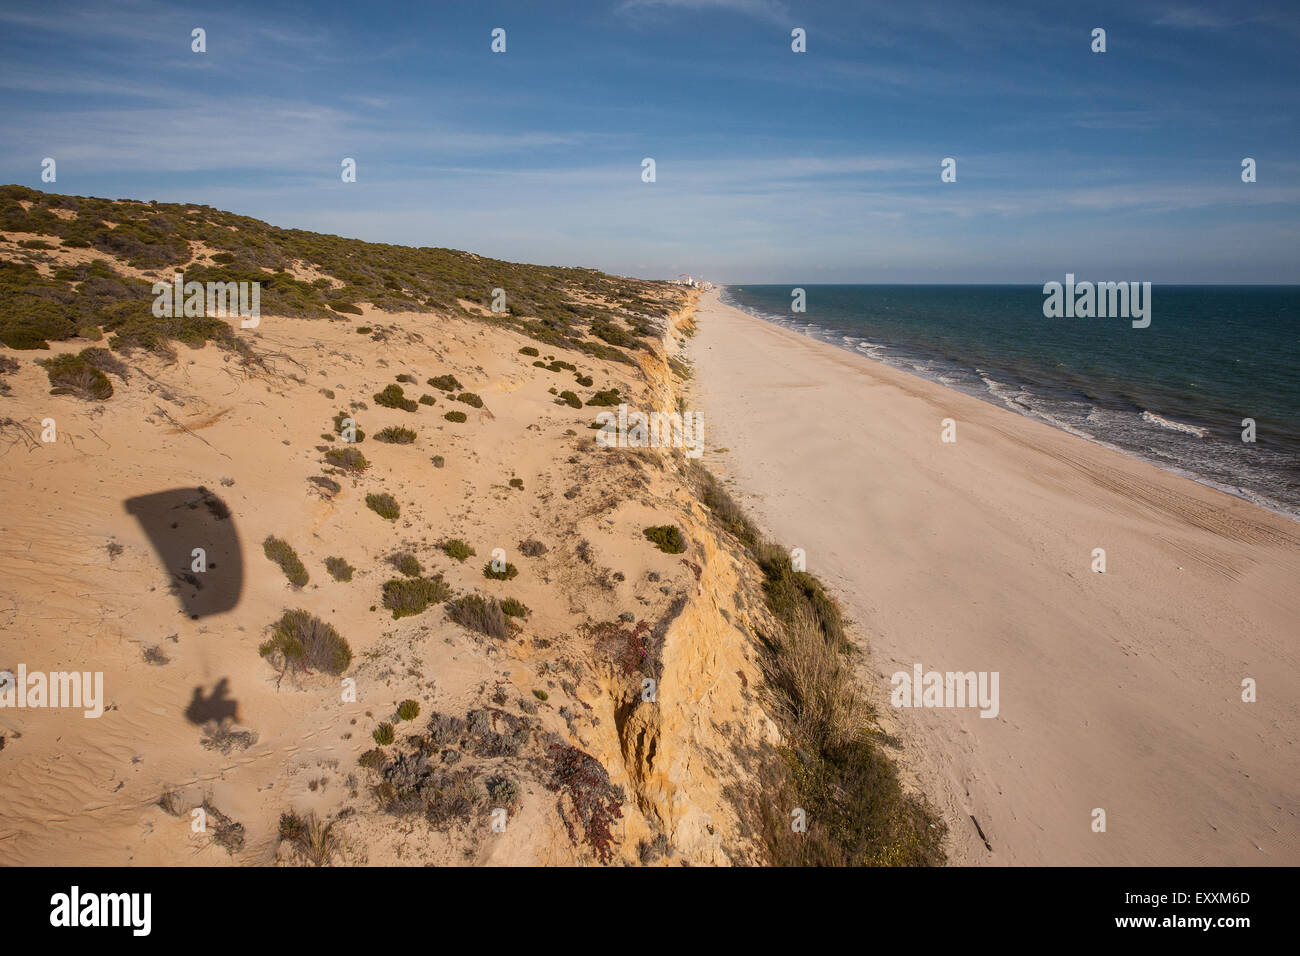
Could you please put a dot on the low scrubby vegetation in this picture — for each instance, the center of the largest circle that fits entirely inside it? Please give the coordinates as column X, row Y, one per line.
column 339, row 569
column 447, row 383
column 564, row 308
column 74, row 375
column 393, row 397
column 282, row 553
column 300, row 641
column 470, row 399
column 506, row 572
column 406, row 597
column 458, row 549
column 407, row 563
column 456, row 417
column 349, row 459
column 607, row 397
column 396, row 435
column 384, row 505
column 667, row 538
column 477, row 613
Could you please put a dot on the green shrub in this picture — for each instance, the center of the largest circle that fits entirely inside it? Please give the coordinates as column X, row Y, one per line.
column 349, row 459
column 529, row 350
column 517, row 484
column 339, row 569
column 480, row 614
column 667, row 538
column 438, row 461
column 372, row 759
column 408, row 710
column 571, row 399
column 364, row 330
column 74, row 375
column 607, row 397
column 345, row 307
column 406, row 379
column 541, row 694
column 407, row 563
column 301, row 641
column 384, row 734
column 340, row 418
column 396, row 435
column 456, row 548
column 384, row 505
column 512, row 608
column 282, row 554
column 393, row 397
column 427, row 399
column 508, row 572
column 586, row 381
column 447, row 383
column 455, row 417
column 470, row 399
column 406, row 597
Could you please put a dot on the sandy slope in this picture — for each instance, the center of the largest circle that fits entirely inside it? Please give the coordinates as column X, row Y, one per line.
column 83, row 791
column 1119, row 691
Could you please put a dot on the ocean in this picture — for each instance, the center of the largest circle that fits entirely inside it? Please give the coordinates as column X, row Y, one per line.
column 1174, row 393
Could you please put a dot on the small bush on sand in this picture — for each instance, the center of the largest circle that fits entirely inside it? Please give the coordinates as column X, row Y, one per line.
column 384, row 734
column 458, row 549
column 529, row 350
column 586, row 381
column 667, row 538
column 393, row 397
column 301, row 641
column 406, row 597
column 355, row 435
column 364, row 330
column 438, row 461
column 406, row 379
column 607, row 397
column 372, row 759
column 310, row 837
column 456, row 417
column 408, row 710
column 571, row 399
column 339, row 569
column 282, row 554
column 407, row 563
column 73, row 375
column 396, row 435
column 512, row 608
column 541, row 694
column 447, row 383
column 427, row 399
column 505, row 574
column 517, row 484
column 384, row 505
column 477, row 613
column 532, row 548
column 329, row 484
column 470, row 399
column 349, row 459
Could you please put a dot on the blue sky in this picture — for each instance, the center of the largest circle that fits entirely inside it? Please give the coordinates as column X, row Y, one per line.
column 771, row 166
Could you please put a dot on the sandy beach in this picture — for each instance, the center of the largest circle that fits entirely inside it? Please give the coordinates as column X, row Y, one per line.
column 1119, row 691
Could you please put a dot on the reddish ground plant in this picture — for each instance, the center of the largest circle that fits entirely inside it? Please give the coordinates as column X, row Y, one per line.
column 592, row 804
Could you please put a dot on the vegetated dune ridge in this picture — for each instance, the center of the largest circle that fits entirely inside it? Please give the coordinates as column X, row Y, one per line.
column 1119, row 691
column 233, row 442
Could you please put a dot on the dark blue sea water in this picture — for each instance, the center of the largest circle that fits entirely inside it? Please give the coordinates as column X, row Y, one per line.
column 1174, row 393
